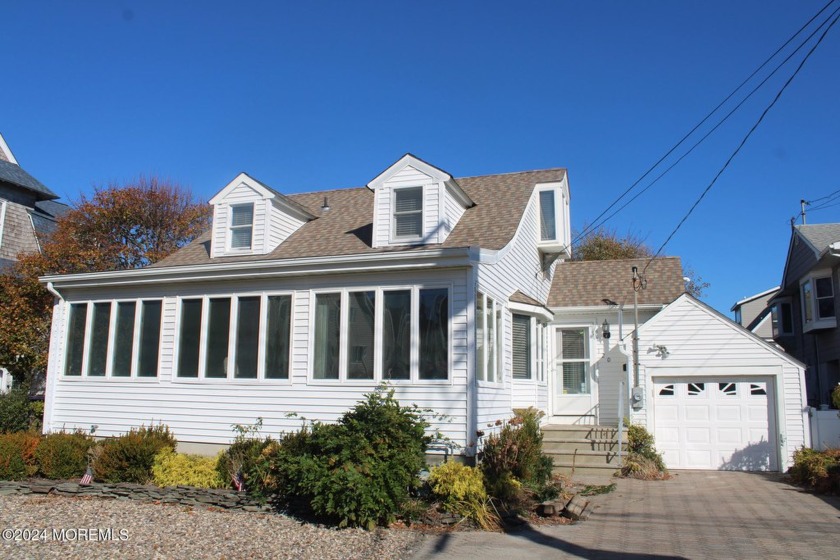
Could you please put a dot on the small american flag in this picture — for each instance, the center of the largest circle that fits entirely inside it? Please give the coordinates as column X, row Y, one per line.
column 239, row 481
column 87, row 478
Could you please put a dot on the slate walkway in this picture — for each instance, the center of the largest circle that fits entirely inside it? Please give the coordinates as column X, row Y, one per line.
column 700, row 514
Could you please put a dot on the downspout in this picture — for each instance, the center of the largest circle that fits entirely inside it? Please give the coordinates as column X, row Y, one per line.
column 49, row 393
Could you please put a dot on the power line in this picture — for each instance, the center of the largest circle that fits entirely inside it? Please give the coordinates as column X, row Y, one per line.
column 588, row 229
column 595, row 223
column 743, row 141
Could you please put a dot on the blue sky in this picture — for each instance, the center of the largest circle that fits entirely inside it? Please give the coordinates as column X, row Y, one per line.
column 314, row 95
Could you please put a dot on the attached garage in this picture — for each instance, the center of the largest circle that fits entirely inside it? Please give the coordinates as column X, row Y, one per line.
column 725, row 423
column 716, row 396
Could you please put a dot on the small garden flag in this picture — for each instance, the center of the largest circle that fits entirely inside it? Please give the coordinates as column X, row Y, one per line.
column 239, row 481
column 87, row 478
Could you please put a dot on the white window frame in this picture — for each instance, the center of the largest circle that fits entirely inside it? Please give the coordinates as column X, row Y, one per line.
column 3, row 204
column 496, row 313
column 232, row 329
column 379, row 309
column 232, row 227
column 558, row 197
column 112, row 333
column 532, row 360
column 408, row 238
column 816, row 321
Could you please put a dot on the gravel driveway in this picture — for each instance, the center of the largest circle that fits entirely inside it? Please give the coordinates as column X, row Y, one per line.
column 90, row 528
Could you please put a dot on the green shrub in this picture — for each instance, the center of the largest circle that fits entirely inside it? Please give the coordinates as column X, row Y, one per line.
column 129, row 457
column 461, row 491
column 63, row 455
column 179, row 469
column 642, row 459
column 819, row 470
column 246, row 456
column 357, row 472
column 17, row 455
column 17, row 413
column 513, row 457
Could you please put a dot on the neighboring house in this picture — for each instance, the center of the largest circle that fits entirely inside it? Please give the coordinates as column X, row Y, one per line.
column 714, row 395
column 27, row 213
column 806, row 307
column 302, row 303
column 453, row 291
column 27, row 209
column 756, row 314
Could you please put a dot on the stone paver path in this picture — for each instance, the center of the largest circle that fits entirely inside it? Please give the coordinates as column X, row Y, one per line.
column 700, row 514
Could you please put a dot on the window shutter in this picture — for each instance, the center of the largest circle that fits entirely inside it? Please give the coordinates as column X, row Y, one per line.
column 521, row 348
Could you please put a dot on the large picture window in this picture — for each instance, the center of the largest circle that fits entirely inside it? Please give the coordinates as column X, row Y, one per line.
column 347, row 348
column 228, row 343
column 109, row 348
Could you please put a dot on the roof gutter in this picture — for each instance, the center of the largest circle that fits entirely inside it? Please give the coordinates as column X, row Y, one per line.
column 435, row 258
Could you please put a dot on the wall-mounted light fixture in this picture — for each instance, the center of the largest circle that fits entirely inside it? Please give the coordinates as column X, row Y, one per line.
column 661, row 351
column 605, row 330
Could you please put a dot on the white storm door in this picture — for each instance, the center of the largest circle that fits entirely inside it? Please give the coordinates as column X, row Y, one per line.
column 573, row 391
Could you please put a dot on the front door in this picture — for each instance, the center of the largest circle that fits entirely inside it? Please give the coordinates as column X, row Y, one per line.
column 573, row 390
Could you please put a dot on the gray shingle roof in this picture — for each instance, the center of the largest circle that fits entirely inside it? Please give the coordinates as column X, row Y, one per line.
column 15, row 174
column 347, row 228
column 588, row 283
column 820, row 235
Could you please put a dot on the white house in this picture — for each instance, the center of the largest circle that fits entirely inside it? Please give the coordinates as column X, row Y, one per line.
column 454, row 291
column 302, row 303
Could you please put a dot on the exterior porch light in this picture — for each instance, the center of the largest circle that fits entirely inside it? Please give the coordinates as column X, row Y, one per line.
column 605, row 330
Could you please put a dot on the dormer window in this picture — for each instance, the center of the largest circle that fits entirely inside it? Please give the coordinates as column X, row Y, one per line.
column 408, row 213
column 241, row 226
column 548, row 216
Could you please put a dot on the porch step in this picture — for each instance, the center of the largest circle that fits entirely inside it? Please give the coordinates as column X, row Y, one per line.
column 583, row 449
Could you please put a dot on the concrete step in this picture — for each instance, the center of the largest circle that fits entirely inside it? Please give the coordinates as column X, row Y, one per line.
column 562, row 445
column 578, row 457
column 600, row 471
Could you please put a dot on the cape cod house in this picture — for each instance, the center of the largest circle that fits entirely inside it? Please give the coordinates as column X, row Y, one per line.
column 302, row 303
column 453, row 291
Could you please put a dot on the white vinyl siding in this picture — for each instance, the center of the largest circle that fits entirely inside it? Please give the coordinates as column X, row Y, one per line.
column 202, row 410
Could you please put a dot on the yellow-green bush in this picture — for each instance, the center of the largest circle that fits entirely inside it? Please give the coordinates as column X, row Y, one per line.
column 461, row 491
column 180, row 469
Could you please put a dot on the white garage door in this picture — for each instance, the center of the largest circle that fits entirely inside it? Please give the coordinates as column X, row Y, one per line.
column 715, row 423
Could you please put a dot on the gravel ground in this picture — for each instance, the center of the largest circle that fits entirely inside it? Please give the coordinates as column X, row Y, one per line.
column 147, row 530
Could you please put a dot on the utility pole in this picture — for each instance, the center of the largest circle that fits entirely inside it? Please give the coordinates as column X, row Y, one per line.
column 802, row 204
column 635, row 327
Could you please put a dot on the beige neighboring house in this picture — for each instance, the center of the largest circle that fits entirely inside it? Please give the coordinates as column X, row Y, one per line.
column 28, row 210
column 755, row 313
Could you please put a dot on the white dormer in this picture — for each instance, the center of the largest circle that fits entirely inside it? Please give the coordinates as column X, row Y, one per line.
column 415, row 204
column 250, row 218
column 554, row 234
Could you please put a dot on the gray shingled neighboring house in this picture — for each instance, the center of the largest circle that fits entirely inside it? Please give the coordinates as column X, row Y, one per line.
column 806, row 304
column 756, row 314
column 28, row 210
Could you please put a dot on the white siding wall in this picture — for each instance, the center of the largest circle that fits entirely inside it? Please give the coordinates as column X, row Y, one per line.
column 518, row 268
column 702, row 344
column 452, row 212
column 203, row 411
column 280, row 226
